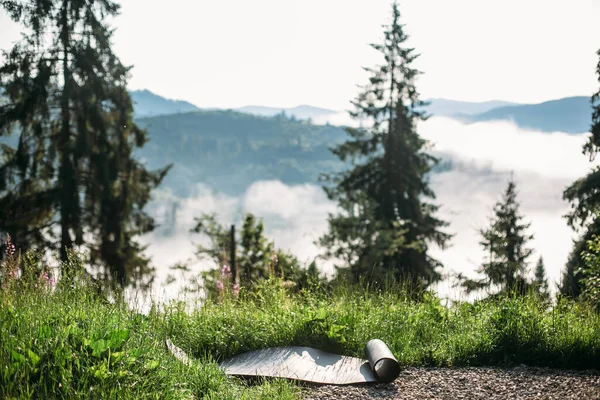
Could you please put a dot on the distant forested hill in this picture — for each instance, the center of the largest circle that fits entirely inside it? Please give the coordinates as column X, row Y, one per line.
column 300, row 112
column 446, row 108
column 146, row 103
column 570, row 115
column 230, row 150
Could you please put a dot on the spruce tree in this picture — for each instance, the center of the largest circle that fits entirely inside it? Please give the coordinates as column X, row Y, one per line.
column 73, row 166
column 505, row 243
column 585, row 202
column 541, row 282
column 388, row 222
column 570, row 285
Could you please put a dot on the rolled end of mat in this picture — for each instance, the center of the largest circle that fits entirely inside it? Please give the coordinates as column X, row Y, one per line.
column 177, row 352
column 384, row 364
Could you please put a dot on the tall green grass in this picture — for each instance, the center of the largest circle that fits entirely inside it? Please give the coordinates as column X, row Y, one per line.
column 71, row 343
column 504, row 331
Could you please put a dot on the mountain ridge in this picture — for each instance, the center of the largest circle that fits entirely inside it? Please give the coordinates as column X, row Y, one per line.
column 568, row 114
column 447, row 107
column 147, row 103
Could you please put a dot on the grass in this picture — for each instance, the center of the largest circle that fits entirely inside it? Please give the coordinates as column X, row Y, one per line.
column 69, row 343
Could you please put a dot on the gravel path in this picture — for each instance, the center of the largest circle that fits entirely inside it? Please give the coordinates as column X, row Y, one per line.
column 472, row 383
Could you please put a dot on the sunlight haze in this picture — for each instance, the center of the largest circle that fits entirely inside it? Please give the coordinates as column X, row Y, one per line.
column 285, row 53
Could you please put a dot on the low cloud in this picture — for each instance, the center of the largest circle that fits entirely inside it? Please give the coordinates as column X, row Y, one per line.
column 503, row 146
column 467, row 199
column 483, row 156
column 338, row 119
column 294, row 216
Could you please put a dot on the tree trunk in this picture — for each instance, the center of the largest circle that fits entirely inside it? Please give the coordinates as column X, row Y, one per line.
column 66, row 173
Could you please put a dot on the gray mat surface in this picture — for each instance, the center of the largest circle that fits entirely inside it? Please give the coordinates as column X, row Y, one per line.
column 311, row 365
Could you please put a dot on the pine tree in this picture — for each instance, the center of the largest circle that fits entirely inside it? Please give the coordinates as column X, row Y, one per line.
column 505, row 242
column 26, row 192
column 387, row 224
column 541, row 282
column 74, row 167
column 583, row 196
column 570, row 285
column 590, row 274
column 256, row 251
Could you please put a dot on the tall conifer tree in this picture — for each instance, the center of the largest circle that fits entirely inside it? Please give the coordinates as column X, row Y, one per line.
column 541, row 281
column 584, row 196
column 73, row 166
column 505, row 243
column 388, row 223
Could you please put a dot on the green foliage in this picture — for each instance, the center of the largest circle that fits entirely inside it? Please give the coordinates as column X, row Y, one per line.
column 387, row 224
column 541, row 282
column 72, row 165
column 505, row 240
column 65, row 341
column 583, row 194
column 493, row 332
column 257, row 258
column 593, row 144
column 590, row 273
column 571, row 285
column 220, row 239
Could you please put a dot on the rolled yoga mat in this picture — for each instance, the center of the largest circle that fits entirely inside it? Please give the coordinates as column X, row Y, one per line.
column 311, row 365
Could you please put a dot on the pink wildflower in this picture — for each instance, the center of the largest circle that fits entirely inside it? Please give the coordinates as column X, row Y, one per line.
column 225, row 271
column 10, row 249
column 220, row 286
column 46, row 279
column 236, row 289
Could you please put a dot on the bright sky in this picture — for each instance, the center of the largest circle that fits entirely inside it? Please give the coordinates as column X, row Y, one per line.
column 231, row 53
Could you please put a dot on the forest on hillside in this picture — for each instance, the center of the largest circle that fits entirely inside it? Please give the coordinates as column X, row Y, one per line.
column 232, row 149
